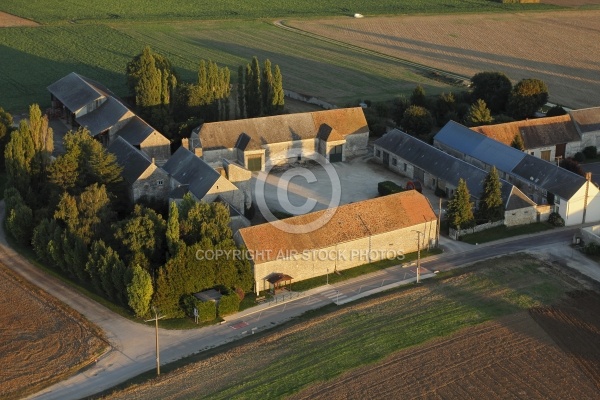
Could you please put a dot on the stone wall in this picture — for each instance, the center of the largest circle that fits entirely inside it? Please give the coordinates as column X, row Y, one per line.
column 522, row 216
column 308, row 99
column 228, row 192
column 286, row 152
column 356, row 144
column 590, row 234
column 157, row 146
column 455, row 234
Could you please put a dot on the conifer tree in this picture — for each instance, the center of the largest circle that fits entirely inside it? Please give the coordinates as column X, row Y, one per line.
column 172, row 234
column 267, row 88
column 460, row 209
column 517, row 142
column 241, row 94
column 278, row 93
column 417, row 98
column 491, row 207
column 139, row 291
column 479, row 114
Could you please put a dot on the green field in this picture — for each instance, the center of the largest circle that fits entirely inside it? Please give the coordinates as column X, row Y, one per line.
column 145, row 10
column 97, row 40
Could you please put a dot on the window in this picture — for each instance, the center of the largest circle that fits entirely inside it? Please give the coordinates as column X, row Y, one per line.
column 159, row 182
column 545, row 155
column 394, row 162
column 556, row 200
column 532, row 153
column 378, row 153
column 405, row 167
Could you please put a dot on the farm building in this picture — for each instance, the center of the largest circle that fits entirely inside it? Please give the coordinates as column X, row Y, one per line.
column 143, row 177
column 83, row 102
column 417, row 160
column 257, row 142
column 587, row 123
column 575, row 198
column 357, row 233
column 190, row 174
column 549, row 138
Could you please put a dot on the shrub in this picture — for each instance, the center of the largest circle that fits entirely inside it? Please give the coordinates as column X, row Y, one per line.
column 590, row 152
column 388, row 187
column 592, row 249
column 207, row 310
column 579, row 157
column 556, row 220
column 228, row 304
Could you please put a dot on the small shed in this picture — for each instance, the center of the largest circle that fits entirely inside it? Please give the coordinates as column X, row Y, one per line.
column 279, row 282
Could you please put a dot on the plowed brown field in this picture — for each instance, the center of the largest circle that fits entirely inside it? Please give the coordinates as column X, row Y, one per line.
column 510, row 358
column 560, row 48
column 41, row 341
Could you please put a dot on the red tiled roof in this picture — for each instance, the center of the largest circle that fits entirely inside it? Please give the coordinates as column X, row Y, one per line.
column 349, row 222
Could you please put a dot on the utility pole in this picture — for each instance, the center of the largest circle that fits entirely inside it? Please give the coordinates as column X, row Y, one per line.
column 418, row 256
column 155, row 319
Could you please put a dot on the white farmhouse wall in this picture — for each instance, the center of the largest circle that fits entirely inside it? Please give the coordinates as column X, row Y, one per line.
column 356, row 144
column 285, row 152
column 521, row 216
column 590, row 139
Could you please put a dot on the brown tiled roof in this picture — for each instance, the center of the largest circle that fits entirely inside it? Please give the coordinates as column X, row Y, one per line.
column 349, row 222
column 587, row 119
column 282, row 128
column 539, row 132
column 329, row 134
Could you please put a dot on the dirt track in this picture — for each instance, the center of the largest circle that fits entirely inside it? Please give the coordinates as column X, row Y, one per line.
column 560, row 48
column 8, row 20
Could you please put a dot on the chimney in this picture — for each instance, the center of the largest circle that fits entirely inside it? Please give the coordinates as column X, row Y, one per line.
column 185, row 143
column 153, row 160
column 588, row 176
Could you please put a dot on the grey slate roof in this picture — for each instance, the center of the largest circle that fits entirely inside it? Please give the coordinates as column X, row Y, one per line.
column 188, row 169
column 104, row 117
column 135, row 131
column 468, row 142
column 549, row 176
column 440, row 164
column 133, row 161
column 540, row 173
column 587, row 119
column 75, row 91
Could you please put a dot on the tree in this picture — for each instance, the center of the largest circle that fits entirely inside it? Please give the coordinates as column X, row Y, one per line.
column 460, row 209
column 278, row 101
column 571, row 165
column 478, row 114
column 19, row 222
column 399, row 105
column 152, row 81
column 445, row 108
column 417, row 121
column 139, row 291
column 241, row 94
column 253, row 89
column 555, row 111
column 267, row 88
column 6, row 128
column 172, row 234
column 493, row 88
column 517, row 142
column 417, row 98
column 142, row 238
column 527, row 97
column 491, row 207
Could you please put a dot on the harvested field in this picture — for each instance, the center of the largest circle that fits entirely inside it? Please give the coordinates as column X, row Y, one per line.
column 572, row 3
column 560, row 47
column 41, row 340
column 470, row 330
column 8, row 20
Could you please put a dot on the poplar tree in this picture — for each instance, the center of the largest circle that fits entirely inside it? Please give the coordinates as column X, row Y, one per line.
column 172, row 234
column 139, row 291
column 278, row 93
column 253, row 89
column 241, row 94
column 267, row 88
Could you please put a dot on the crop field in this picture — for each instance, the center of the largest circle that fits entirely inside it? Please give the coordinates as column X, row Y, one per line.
column 41, row 341
column 39, row 56
column 471, row 326
column 144, row 10
column 560, row 47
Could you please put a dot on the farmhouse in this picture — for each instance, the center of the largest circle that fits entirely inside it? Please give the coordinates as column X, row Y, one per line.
column 190, row 174
column 548, row 138
column 417, row 160
column 143, row 177
column 575, row 198
column 257, row 142
column 357, row 233
column 82, row 102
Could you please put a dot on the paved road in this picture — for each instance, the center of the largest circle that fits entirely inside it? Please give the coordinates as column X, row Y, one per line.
column 133, row 344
